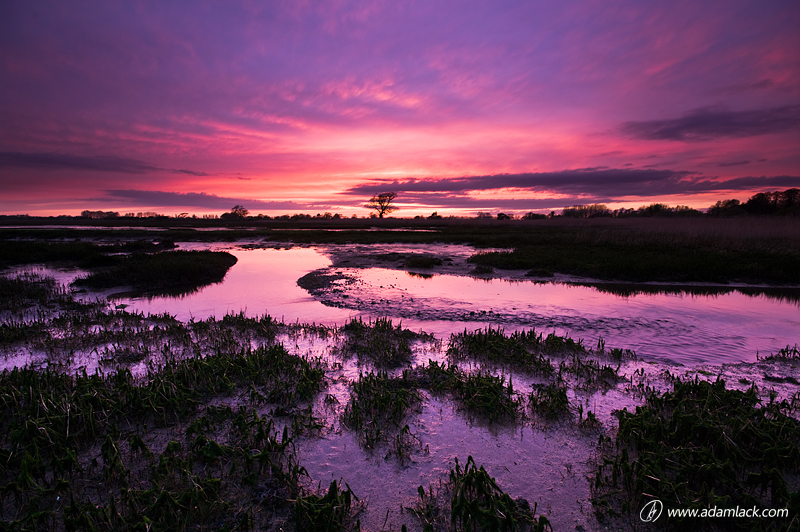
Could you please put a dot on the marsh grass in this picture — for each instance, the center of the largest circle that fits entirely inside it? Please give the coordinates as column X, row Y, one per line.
column 582, row 368
column 703, row 445
column 481, row 393
column 756, row 234
column 380, row 342
column 422, row 261
column 787, row 353
column 31, row 294
column 378, row 407
column 331, row 512
column 173, row 270
column 521, row 350
column 592, row 374
column 83, row 254
column 471, row 500
column 63, row 434
column 549, row 400
column 633, row 263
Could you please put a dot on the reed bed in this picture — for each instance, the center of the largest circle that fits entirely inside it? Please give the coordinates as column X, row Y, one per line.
column 472, row 500
column 703, row 445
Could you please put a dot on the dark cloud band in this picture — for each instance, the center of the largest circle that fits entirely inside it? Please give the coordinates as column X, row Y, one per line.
column 198, row 200
column 60, row 161
column 710, row 123
column 596, row 183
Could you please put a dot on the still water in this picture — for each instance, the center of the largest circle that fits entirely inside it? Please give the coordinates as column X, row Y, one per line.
column 678, row 328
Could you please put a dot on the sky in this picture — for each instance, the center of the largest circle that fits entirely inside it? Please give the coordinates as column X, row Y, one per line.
column 458, row 107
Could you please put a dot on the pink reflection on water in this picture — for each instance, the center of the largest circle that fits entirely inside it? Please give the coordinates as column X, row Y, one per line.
column 263, row 281
column 681, row 328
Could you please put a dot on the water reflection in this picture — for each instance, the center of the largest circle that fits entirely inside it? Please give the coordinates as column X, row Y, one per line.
column 686, row 325
column 788, row 295
column 263, row 281
column 676, row 326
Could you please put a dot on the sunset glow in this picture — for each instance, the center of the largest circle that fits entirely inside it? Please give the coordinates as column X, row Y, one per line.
column 313, row 107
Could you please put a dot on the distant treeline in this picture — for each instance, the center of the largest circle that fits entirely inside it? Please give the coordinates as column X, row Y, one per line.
column 764, row 203
column 780, row 203
column 654, row 209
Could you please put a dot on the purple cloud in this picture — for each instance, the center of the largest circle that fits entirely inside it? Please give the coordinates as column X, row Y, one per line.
column 717, row 122
column 199, row 200
column 600, row 184
column 58, row 161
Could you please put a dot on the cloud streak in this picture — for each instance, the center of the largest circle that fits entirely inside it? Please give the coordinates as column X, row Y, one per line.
column 601, row 184
column 717, row 122
column 59, row 161
column 198, row 200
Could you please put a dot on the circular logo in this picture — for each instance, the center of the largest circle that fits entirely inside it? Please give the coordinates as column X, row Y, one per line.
column 651, row 511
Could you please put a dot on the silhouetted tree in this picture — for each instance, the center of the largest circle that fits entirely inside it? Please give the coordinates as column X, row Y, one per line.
column 786, row 202
column 99, row 214
column 382, row 203
column 237, row 212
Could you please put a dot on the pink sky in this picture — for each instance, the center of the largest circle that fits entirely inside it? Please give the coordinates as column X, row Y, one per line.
column 457, row 107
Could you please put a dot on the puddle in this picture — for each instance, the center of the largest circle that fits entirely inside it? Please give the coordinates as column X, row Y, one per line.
column 545, row 467
column 677, row 328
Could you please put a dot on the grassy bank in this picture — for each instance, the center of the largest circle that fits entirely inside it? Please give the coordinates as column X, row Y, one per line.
column 705, row 249
column 704, row 446
column 174, row 270
column 641, row 263
column 169, row 452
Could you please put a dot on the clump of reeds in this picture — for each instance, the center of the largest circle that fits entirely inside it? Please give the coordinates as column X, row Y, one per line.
column 378, row 406
column 591, row 373
column 703, row 445
column 549, row 400
column 522, row 350
column 787, row 353
column 422, row 261
column 380, row 342
column 472, row 500
column 331, row 512
column 479, row 393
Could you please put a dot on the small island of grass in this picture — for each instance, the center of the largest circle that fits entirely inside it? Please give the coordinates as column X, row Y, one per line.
column 163, row 271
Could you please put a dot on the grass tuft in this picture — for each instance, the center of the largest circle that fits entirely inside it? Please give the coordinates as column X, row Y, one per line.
column 475, row 503
column 703, row 445
column 380, row 342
